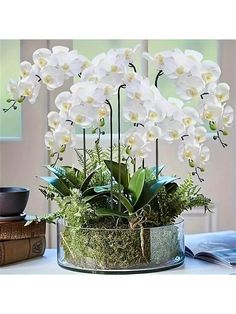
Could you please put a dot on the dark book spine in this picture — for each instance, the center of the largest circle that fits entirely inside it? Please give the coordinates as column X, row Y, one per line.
column 19, row 250
column 18, row 230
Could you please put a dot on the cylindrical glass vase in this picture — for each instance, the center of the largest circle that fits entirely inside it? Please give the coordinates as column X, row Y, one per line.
column 120, row 250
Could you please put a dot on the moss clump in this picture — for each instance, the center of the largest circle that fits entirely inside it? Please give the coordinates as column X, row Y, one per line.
column 120, row 248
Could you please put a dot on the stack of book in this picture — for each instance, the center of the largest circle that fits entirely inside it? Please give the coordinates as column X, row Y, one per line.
column 19, row 242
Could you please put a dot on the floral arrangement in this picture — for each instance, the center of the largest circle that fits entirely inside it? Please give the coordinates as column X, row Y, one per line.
column 113, row 188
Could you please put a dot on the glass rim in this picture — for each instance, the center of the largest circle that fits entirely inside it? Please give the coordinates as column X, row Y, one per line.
column 179, row 221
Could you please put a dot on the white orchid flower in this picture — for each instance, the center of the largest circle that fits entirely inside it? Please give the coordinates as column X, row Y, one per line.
column 126, row 55
column 42, row 57
column 177, row 65
column 228, row 116
column 159, row 59
column 82, row 115
column 199, row 134
column 139, row 89
column 189, row 116
column 102, row 112
column 194, row 55
column 52, row 77
column 188, row 150
column 12, row 88
column 189, row 87
column 152, row 132
column 51, row 143
column 134, row 112
column 211, row 109
column 63, row 136
column 56, row 119
column 141, row 152
column 25, row 69
column 210, row 71
column 85, row 93
column 63, row 101
column 29, row 89
column 172, row 130
column 221, row 91
column 204, row 155
column 134, row 139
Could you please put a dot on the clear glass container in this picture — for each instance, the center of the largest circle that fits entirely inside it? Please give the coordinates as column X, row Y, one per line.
column 120, row 250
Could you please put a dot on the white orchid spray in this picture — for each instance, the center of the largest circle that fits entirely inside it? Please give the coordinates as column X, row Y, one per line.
column 199, row 111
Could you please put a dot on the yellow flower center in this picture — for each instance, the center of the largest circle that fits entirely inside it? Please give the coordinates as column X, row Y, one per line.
column 188, row 154
column 28, row 92
column 107, row 90
column 66, row 106
column 130, row 77
column 152, row 115
column 199, row 138
column 192, row 92
column 90, row 100
column 114, row 68
column 208, row 115
column 180, row 70
column 137, row 95
column 48, row 79
column 102, row 112
column 188, row 121
column 66, row 139
column 128, row 54
column 133, row 117
column 150, row 136
column 159, row 59
column 42, row 62
column 131, row 140
column 79, row 119
column 65, row 67
column 85, row 65
column 25, row 73
column 207, row 77
column 174, row 135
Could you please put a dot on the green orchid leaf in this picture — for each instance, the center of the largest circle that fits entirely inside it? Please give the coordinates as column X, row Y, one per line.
column 167, row 179
column 57, row 184
column 72, row 175
column 124, row 201
column 62, row 175
column 124, row 173
column 88, row 192
column 136, row 184
column 153, row 169
column 110, row 212
column 107, row 187
column 149, row 191
column 87, row 181
column 171, row 187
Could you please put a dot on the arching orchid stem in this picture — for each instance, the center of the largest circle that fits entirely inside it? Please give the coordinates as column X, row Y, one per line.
column 99, row 135
column 215, row 137
column 157, row 77
column 71, row 122
column 196, row 172
column 203, row 94
column 131, row 65
column 39, row 78
column 58, row 158
column 183, row 136
column 84, row 151
column 119, row 150
column 111, row 149
column 14, row 106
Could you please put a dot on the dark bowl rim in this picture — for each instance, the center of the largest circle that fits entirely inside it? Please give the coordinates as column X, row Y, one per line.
column 20, row 189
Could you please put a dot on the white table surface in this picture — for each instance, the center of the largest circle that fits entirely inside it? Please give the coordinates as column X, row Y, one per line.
column 47, row 265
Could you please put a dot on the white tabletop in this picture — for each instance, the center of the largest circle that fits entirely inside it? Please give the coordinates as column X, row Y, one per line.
column 47, row 265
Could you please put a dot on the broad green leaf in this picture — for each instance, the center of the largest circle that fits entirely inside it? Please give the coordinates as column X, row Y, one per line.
column 153, row 169
column 171, row 187
column 110, row 212
column 87, row 181
column 62, row 175
column 149, row 191
column 58, row 185
column 90, row 198
column 124, row 201
column 167, row 179
column 88, row 192
column 72, row 175
column 124, row 174
column 136, row 184
column 105, row 188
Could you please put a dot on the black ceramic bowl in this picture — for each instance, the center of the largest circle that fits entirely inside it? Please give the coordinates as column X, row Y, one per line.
column 13, row 201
